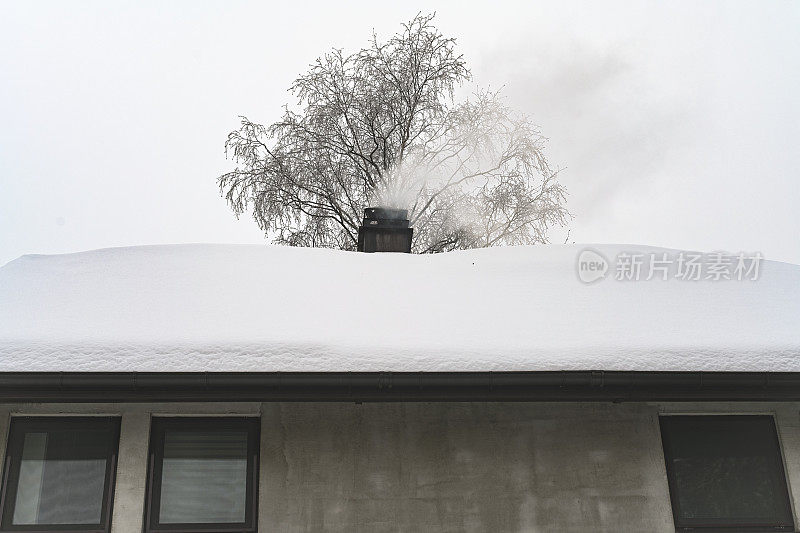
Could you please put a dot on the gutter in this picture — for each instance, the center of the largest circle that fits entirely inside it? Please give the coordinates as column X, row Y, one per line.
column 599, row 385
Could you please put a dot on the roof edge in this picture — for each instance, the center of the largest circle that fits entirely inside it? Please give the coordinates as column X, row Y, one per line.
column 358, row 387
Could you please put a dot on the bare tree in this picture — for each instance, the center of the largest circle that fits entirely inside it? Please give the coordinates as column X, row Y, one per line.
column 382, row 127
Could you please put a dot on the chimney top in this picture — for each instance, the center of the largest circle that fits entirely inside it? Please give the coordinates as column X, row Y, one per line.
column 385, row 229
column 385, row 213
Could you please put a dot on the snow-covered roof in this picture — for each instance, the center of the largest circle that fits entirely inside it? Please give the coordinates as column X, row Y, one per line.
column 265, row 308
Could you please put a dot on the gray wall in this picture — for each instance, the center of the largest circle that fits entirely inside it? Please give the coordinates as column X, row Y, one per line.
column 463, row 467
column 471, row 467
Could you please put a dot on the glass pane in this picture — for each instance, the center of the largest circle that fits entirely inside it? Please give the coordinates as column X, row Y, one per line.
column 204, row 477
column 737, row 488
column 53, row 465
column 727, row 470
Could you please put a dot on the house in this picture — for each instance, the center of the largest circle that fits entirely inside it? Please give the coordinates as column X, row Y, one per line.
column 242, row 388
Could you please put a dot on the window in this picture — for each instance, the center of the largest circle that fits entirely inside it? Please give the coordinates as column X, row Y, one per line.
column 725, row 473
column 203, row 474
column 59, row 474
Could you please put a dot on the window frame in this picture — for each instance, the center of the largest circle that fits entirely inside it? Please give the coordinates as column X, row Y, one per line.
column 18, row 427
column 722, row 525
column 159, row 426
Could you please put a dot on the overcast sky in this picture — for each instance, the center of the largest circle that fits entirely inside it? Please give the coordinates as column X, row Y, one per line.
column 676, row 123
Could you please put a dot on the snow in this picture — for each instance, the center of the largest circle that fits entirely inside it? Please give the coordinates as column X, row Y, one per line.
column 204, row 307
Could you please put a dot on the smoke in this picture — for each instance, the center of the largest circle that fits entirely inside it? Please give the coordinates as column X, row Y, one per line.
column 403, row 185
column 610, row 123
column 482, row 167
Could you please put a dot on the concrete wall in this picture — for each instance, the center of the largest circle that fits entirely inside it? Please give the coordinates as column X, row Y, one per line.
column 460, row 467
column 463, row 467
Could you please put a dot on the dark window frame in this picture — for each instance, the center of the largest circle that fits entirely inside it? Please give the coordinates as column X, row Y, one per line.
column 18, row 427
column 159, row 425
column 706, row 526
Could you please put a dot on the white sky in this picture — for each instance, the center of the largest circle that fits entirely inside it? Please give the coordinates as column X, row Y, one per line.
column 677, row 123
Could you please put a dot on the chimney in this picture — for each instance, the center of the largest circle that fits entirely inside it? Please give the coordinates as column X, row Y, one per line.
column 385, row 229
